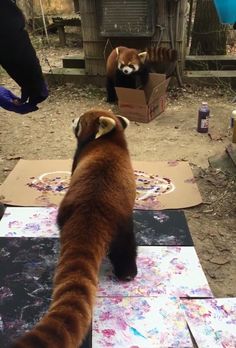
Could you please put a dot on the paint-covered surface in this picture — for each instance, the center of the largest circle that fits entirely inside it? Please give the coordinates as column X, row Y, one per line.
column 167, row 227
column 212, row 321
column 27, row 267
column 161, row 271
column 29, row 222
column 142, row 322
column 26, row 272
column 151, row 227
column 160, row 185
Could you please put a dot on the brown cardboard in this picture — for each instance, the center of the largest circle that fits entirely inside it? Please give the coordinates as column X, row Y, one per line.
column 185, row 191
column 16, row 190
column 143, row 105
column 23, row 187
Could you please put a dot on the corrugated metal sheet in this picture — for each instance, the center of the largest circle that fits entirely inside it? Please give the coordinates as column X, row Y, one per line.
column 126, row 18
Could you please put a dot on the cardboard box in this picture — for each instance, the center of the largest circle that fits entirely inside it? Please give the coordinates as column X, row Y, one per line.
column 143, row 105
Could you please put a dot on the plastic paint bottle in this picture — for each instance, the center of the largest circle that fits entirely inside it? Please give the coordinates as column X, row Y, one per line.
column 203, row 118
column 232, row 119
column 234, row 132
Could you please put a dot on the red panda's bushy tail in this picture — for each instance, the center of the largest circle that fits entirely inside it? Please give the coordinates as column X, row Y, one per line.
column 162, row 59
column 161, row 54
column 68, row 319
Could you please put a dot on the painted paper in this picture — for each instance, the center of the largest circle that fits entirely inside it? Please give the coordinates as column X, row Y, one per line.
column 29, row 222
column 167, row 227
column 26, row 275
column 160, row 185
column 150, row 227
column 212, row 321
column 139, row 322
column 172, row 271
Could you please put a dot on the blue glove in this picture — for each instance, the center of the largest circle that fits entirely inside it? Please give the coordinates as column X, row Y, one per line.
column 11, row 102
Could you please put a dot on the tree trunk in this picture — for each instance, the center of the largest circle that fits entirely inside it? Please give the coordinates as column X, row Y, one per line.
column 208, row 34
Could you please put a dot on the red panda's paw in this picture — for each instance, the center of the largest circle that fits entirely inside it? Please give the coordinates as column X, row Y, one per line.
column 126, row 274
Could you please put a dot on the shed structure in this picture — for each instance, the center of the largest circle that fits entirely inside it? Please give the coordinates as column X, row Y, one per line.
column 106, row 24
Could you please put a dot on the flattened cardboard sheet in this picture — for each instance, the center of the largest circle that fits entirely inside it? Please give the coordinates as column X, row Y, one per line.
column 150, row 227
column 160, row 185
column 165, row 185
column 36, row 183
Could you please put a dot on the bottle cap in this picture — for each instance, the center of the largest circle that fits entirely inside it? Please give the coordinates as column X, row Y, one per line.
column 234, row 113
column 204, row 103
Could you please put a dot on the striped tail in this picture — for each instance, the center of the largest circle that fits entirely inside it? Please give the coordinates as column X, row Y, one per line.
column 161, row 54
column 162, row 60
column 68, row 319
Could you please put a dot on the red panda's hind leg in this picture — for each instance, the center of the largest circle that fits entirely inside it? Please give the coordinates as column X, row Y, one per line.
column 123, row 252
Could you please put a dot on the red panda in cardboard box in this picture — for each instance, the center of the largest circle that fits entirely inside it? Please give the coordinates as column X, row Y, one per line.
column 129, row 68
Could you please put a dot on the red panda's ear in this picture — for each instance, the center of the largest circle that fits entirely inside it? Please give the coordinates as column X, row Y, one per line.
column 142, row 56
column 106, row 125
column 123, row 120
column 117, row 51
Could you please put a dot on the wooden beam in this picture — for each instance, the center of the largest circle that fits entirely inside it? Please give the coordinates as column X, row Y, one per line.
column 211, row 73
column 218, row 57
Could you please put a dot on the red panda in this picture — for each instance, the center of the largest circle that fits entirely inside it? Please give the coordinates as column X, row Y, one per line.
column 122, row 67
column 95, row 218
column 127, row 67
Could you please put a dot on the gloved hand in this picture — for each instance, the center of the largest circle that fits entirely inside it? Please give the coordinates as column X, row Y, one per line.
column 11, row 102
column 33, row 97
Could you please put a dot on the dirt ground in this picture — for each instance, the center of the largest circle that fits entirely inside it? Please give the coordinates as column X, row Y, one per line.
column 46, row 134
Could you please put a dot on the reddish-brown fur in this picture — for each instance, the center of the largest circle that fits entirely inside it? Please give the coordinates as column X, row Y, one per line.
column 94, row 217
column 161, row 60
column 154, row 59
column 129, row 58
column 161, row 54
column 126, row 56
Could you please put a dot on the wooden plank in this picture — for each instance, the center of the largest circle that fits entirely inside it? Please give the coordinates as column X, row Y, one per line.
column 76, row 61
column 211, row 73
column 93, row 43
column 231, row 150
column 218, row 57
column 76, row 76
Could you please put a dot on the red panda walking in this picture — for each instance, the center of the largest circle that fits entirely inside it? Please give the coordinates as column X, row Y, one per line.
column 95, row 217
column 127, row 67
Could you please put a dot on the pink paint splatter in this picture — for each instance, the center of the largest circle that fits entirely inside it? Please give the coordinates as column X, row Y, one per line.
column 108, row 333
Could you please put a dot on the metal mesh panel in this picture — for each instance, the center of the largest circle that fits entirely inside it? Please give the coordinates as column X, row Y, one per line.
column 126, row 18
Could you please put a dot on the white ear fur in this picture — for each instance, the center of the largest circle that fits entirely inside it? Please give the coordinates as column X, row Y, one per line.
column 117, row 51
column 74, row 126
column 124, row 121
column 106, row 124
column 74, row 123
column 142, row 56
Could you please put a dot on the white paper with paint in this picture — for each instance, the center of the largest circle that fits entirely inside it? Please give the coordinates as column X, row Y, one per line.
column 212, row 321
column 140, row 322
column 29, row 222
column 174, row 271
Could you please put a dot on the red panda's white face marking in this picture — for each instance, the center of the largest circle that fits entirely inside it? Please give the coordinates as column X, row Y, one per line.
column 128, row 69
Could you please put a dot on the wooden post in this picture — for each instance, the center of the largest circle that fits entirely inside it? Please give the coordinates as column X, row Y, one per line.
column 93, row 43
column 61, row 34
